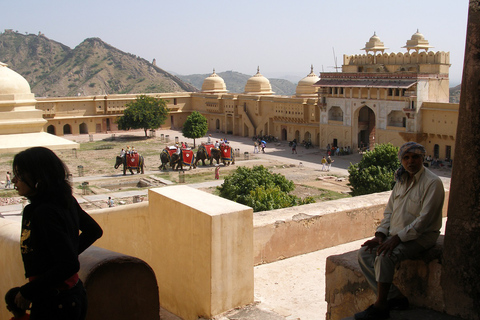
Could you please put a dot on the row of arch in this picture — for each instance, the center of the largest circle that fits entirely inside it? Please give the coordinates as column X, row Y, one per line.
column 398, row 58
column 67, row 129
column 395, row 118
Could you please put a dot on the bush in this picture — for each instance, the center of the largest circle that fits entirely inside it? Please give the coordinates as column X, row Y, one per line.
column 375, row 172
column 260, row 189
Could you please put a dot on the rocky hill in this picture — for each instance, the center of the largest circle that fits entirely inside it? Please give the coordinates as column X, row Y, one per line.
column 455, row 94
column 91, row 68
column 236, row 82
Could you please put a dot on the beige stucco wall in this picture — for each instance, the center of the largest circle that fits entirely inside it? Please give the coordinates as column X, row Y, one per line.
column 202, row 248
column 199, row 245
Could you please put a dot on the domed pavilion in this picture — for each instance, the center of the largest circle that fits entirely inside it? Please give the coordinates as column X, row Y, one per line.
column 305, row 88
column 258, row 85
column 21, row 124
column 214, row 84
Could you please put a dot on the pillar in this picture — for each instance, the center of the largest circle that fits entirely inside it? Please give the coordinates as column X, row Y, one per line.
column 460, row 274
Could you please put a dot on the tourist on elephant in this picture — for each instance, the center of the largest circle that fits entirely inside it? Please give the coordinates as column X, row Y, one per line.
column 55, row 230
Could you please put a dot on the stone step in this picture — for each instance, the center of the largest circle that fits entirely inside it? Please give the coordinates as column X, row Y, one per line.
column 416, row 314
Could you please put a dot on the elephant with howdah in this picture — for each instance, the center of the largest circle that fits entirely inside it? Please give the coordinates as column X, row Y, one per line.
column 138, row 163
column 225, row 153
column 185, row 157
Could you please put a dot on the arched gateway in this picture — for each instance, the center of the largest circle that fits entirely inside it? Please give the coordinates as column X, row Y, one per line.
column 365, row 127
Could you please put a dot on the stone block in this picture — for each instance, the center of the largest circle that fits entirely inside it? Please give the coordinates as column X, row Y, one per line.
column 347, row 292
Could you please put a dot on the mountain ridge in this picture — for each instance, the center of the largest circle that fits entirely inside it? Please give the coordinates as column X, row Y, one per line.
column 92, row 68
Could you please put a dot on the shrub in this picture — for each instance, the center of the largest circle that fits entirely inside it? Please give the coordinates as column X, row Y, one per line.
column 375, row 172
column 260, row 189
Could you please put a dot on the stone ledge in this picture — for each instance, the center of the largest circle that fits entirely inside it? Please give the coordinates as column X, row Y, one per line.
column 347, row 292
column 417, row 313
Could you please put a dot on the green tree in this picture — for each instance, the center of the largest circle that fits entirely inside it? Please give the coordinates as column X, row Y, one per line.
column 260, row 189
column 144, row 113
column 375, row 172
column 195, row 126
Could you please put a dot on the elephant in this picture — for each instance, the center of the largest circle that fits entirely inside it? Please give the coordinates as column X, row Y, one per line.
column 225, row 153
column 202, row 154
column 165, row 159
column 180, row 159
column 123, row 160
column 215, row 155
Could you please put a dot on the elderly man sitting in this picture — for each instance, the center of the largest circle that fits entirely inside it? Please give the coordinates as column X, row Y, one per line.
column 411, row 225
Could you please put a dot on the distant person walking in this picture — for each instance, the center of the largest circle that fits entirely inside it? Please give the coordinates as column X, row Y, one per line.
column 255, row 147
column 329, row 163
column 217, row 171
column 8, row 179
column 110, row 202
column 294, row 147
column 324, row 163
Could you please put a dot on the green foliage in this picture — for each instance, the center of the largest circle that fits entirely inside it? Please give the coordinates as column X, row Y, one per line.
column 375, row 172
column 144, row 113
column 260, row 189
column 195, row 126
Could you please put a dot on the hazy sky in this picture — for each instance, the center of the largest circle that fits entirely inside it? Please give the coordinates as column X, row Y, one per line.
column 281, row 37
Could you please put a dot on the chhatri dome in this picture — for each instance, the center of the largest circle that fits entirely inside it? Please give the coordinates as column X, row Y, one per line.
column 214, row 84
column 21, row 124
column 12, row 82
column 305, row 86
column 258, row 85
column 417, row 43
column 374, row 44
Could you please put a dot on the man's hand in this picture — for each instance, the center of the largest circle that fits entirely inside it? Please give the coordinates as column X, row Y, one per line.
column 388, row 245
column 376, row 241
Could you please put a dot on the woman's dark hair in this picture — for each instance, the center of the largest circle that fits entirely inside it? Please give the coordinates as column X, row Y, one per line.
column 10, row 301
column 46, row 173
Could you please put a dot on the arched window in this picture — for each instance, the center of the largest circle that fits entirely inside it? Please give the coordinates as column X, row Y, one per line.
column 83, row 128
column 335, row 114
column 396, row 119
column 67, row 129
column 51, row 129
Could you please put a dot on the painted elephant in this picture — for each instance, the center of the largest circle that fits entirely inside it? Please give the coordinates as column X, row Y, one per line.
column 225, row 153
column 130, row 162
column 185, row 157
column 203, row 154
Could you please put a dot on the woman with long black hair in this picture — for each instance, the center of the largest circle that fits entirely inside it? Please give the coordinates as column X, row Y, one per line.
column 55, row 230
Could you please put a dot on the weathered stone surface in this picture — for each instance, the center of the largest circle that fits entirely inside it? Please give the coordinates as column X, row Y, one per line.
column 461, row 273
column 347, row 292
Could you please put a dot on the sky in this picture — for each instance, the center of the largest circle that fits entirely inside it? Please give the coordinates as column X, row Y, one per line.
column 282, row 38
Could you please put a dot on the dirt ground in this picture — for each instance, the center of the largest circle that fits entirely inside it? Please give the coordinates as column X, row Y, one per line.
column 97, row 159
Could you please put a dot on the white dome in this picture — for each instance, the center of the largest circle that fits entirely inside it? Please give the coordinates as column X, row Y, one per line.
column 214, row 84
column 258, row 84
column 305, row 86
column 12, row 82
